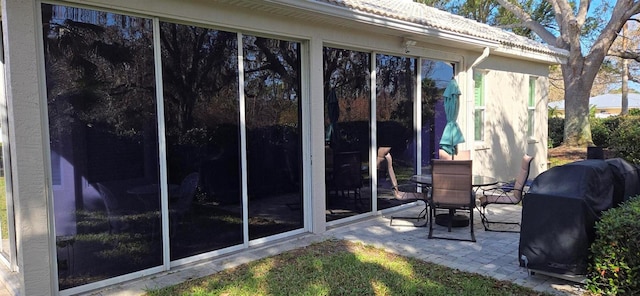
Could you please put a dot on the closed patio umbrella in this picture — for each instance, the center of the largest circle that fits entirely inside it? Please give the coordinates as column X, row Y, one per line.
column 333, row 111
column 452, row 135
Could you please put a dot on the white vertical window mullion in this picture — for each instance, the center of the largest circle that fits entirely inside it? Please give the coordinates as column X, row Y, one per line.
column 418, row 116
column 6, row 157
column 373, row 153
column 243, row 144
column 305, row 102
column 162, row 146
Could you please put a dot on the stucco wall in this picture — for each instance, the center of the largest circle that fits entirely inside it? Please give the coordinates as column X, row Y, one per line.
column 507, row 93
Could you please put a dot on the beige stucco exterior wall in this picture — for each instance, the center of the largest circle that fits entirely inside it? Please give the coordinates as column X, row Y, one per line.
column 499, row 155
column 506, row 99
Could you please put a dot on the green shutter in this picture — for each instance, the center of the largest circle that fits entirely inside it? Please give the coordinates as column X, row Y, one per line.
column 478, row 125
column 478, row 79
column 532, row 92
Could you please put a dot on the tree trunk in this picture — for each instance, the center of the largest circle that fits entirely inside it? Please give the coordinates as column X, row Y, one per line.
column 577, row 131
column 624, row 105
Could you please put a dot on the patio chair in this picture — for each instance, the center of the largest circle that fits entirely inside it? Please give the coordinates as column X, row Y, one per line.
column 451, row 190
column 346, row 176
column 116, row 212
column 409, row 196
column 462, row 154
column 182, row 204
column 505, row 193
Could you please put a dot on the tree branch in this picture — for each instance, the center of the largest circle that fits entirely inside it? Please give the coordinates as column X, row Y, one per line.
column 529, row 22
column 582, row 12
column 620, row 14
column 624, row 54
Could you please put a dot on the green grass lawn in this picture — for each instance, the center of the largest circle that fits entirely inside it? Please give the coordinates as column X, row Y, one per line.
column 338, row 267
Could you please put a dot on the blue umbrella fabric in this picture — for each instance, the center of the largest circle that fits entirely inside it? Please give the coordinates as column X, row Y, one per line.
column 452, row 135
column 333, row 110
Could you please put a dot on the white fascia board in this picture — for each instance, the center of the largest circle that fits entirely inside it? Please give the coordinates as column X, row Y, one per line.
column 371, row 19
column 549, row 58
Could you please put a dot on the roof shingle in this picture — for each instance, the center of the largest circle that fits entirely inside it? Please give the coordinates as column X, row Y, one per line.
column 430, row 17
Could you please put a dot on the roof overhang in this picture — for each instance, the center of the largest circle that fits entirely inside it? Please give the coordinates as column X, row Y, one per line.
column 326, row 12
column 375, row 22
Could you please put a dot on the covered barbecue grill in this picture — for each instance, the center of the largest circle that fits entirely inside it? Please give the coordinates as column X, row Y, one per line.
column 559, row 214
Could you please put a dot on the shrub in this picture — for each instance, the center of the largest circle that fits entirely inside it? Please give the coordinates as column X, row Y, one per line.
column 556, row 131
column 625, row 138
column 599, row 132
column 615, row 265
column 603, row 128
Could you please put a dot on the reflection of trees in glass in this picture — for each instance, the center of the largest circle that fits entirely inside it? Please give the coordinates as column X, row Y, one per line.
column 435, row 77
column 272, row 90
column 200, row 81
column 96, row 69
column 201, row 106
column 272, row 81
column 200, row 76
column 396, row 81
column 348, row 72
column 102, row 118
column 429, row 89
column 395, row 94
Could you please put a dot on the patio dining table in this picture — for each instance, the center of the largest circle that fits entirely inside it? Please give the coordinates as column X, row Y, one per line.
column 426, row 180
column 459, row 220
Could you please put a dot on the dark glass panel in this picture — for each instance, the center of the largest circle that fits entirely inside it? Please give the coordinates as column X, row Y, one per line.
column 347, row 94
column 102, row 123
column 200, row 80
column 395, row 95
column 274, row 157
column 436, row 75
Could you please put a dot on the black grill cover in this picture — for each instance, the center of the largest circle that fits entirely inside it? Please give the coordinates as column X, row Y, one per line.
column 626, row 180
column 559, row 214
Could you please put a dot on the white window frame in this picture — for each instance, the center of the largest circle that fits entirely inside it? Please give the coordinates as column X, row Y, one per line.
column 531, row 107
column 479, row 108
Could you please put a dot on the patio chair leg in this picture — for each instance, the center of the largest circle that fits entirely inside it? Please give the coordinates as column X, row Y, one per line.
column 431, row 213
column 473, row 236
column 486, row 223
column 421, row 215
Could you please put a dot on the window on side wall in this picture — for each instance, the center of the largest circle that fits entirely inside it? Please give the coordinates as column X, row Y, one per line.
column 531, row 107
column 479, row 106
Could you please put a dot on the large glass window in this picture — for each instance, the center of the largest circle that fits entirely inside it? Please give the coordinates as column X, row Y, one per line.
column 201, row 111
column 103, row 139
column 436, row 75
column 103, row 127
column 274, row 157
column 347, row 94
column 395, row 97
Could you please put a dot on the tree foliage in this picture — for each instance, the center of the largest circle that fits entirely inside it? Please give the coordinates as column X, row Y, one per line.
column 588, row 41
